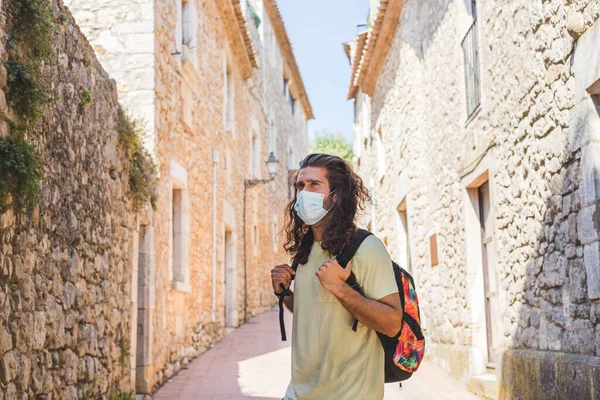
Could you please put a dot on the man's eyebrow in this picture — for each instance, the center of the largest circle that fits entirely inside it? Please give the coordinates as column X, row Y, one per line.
column 309, row 180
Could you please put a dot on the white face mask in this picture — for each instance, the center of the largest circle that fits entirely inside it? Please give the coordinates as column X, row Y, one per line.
column 309, row 207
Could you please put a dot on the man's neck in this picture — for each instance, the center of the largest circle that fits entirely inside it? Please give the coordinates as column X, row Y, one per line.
column 318, row 230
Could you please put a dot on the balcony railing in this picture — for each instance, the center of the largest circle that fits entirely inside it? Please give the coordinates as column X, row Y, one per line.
column 472, row 74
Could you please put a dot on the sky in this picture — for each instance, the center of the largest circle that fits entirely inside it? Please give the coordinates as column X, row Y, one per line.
column 317, row 30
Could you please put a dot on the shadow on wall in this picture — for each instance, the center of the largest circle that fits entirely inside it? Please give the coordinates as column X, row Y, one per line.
column 557, row 337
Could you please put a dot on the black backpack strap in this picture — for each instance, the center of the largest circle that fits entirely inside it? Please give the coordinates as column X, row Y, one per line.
column 307, row 239
column 352, row 247
column 344, row 258
column 282, row 296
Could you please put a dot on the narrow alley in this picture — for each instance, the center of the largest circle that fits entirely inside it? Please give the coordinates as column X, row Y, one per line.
column 253, row 363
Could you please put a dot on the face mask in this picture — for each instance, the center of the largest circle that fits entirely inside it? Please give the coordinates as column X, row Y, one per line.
column 309, row 207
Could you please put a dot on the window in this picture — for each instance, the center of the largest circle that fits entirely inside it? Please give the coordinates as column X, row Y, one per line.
column 255, row 152
column 188, row 23
column 229, row 100
column 187, row 32
column 470, row 48
column 285, row 86
column 177, row 234
column 292, row 105
column 180, row 228
column 255, row 236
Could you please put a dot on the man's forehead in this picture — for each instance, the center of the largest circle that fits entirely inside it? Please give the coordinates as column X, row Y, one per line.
column 311, row 174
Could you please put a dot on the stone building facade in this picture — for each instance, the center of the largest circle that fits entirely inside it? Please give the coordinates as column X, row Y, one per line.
column 65, row 270
column 477, row 128
column 219, row 90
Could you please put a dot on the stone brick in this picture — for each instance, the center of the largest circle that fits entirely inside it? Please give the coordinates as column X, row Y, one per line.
column 588, row 224
column 6, row 341
column 3, row 76
column 8, row 367
column 591, row 257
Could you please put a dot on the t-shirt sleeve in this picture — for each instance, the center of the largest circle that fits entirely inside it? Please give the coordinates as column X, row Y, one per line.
column 372, row 266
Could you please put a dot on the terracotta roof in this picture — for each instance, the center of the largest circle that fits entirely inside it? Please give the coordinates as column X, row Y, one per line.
column 288, row 54
column 245, row 32
column 239, row 37
column 379, row 39
column 361, row 40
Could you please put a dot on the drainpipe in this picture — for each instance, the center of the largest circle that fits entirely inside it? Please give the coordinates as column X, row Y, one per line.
column 245, row 258
column 215, row 160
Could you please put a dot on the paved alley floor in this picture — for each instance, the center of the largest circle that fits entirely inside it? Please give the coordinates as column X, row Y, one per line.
column 253, row 363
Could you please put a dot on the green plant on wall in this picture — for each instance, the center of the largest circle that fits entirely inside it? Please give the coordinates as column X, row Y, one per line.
column 142, row 170
column 24, row 92
column 125, row 353
column 29, row 44
column 86, row 97
column 118, row 394
column 31, row 30
column 20, row 173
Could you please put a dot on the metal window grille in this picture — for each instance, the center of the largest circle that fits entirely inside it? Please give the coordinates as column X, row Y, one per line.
column 472, row 72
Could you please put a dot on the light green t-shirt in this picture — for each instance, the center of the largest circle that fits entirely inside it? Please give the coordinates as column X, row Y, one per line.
column 329, row 360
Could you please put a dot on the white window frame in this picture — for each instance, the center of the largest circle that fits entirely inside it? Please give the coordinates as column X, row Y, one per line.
column 179, row 230
column 229, row 96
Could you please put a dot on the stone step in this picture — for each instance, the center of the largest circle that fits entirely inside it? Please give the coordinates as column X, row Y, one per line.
column 484, row 386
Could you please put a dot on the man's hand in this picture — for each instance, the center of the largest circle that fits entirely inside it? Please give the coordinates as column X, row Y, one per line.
column 332, row 276
column 281, row 274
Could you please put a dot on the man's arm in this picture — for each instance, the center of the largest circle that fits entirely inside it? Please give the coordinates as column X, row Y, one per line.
column 383, row 315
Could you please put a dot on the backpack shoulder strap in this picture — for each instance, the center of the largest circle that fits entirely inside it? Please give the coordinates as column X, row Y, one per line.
column 307, row 240
column 352, row 247
column 346, row 255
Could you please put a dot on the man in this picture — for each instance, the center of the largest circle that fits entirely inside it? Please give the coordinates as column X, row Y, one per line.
column 330, row 360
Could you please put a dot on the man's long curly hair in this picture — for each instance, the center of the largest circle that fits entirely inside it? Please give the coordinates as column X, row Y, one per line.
column 351, row 196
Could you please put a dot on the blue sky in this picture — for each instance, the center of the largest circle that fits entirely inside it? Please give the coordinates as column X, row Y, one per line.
column 318, row 29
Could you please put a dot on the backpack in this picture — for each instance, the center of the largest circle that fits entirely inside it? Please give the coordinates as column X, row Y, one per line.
column 403, row 352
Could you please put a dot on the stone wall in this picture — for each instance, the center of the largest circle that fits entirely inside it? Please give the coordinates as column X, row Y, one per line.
column 527, row 139
column 65, row 270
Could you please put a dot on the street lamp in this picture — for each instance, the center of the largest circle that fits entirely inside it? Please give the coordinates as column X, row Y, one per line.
column 272, row 167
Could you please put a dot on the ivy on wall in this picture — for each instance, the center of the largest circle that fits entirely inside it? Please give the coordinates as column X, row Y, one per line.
column 31, row 29
column 20, row 173
column 142, row 170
